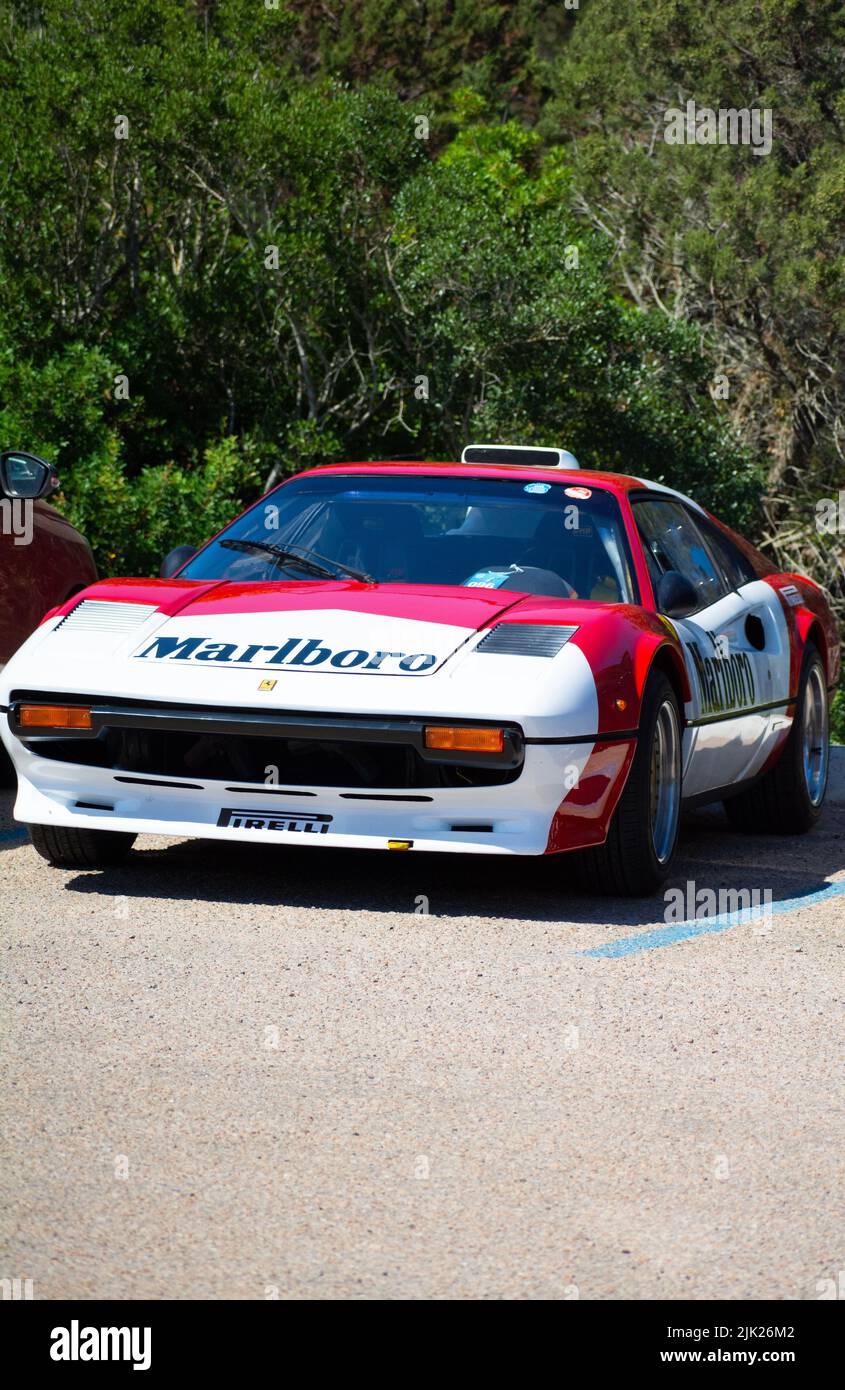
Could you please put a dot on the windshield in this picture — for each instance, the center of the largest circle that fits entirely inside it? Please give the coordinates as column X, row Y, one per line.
column 544, row 538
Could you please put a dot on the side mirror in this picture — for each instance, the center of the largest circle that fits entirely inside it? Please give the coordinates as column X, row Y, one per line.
column 175, row 559
column 676, row 595
column 24, row 475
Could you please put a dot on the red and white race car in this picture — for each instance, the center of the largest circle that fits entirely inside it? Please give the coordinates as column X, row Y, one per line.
column 509, row 655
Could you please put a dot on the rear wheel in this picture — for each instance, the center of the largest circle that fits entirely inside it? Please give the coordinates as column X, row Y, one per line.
column 788, row 800
column 69, row 847
column 637, row 855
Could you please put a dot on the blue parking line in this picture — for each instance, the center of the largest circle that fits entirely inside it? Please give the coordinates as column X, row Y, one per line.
column 699, row 926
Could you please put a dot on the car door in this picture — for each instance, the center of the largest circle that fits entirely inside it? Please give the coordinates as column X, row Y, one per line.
column 766, row 639
column 731, row 661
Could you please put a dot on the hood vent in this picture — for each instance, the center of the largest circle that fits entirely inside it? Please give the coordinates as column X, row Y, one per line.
column 99, row 615
column 525, row 639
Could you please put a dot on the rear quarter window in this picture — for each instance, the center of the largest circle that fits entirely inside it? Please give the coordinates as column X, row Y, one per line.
column 736, row 566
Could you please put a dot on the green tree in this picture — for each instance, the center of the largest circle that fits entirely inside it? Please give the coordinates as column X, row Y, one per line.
column 197, row 245
column 747, row 245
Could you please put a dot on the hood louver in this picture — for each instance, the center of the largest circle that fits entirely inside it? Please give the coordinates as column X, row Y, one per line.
column 525, row 639
column 98, row 615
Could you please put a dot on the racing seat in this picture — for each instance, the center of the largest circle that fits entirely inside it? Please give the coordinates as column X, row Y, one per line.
column 383, row 540
column 549, row 548
column 581, row 552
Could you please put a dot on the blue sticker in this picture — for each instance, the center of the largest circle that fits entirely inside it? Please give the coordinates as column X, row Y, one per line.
column 487, row 579
column 537, row 487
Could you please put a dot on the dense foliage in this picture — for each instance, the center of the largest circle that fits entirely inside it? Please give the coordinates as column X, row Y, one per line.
column 220, row 262
column 237, row 238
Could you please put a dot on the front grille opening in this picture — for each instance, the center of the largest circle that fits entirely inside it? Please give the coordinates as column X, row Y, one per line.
column 295, row 762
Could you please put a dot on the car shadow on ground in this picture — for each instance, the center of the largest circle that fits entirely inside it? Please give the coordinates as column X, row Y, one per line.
column 711, row 855
column 460, row 886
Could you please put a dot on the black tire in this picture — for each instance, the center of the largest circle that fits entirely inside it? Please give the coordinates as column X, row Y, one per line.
column 68, row 847
column 627, row 864
column 7, row 771
column 780, row 803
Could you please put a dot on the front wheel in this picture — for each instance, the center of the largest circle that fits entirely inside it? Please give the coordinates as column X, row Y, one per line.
column 69, row 847
column 637, row 855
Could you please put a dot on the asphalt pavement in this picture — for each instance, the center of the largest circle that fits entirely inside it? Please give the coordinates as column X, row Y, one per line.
column 243, row 1073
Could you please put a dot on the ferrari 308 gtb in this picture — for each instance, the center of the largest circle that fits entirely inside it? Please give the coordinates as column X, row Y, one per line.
column 509, row 655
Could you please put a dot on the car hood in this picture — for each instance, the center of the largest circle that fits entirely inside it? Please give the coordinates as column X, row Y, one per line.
column 331, row 626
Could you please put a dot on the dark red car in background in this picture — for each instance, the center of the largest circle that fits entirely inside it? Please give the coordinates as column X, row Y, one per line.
column 43, row 560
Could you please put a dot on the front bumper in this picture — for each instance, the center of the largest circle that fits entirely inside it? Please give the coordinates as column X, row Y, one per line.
column 511, row 818
column 359, row 780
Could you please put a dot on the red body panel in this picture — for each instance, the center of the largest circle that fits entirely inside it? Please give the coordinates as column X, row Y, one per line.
column 583, row 817
column 812, row 614
column 428, row 603
column 618, row 483
column 170, row 595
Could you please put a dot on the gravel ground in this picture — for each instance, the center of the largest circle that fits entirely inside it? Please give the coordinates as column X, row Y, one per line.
column 237, row 1073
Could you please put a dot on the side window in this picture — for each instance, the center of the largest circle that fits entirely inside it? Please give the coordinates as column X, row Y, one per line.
column 672, row 541
column 738, row 569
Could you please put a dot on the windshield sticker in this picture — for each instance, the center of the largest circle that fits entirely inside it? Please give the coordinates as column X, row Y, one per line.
column 537, row 487
column 489, row 579
column 581, row 492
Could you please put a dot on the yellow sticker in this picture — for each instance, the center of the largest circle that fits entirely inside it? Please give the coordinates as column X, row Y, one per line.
column 267, row 685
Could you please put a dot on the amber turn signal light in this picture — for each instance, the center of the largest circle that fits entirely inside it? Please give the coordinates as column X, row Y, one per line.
column 54, row 717
column 457, row 740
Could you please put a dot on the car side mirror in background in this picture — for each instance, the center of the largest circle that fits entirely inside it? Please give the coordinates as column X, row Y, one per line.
column 175, row 559
column 676, row 595
column 25, row 476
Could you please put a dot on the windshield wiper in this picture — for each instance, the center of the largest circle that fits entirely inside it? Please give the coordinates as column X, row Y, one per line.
column 338, row 565
column 309, row 560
